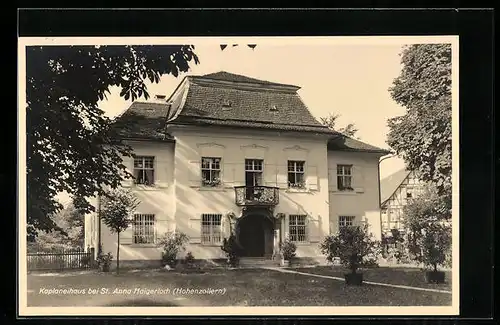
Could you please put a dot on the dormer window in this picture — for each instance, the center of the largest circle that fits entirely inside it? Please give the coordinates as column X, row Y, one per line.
column 227, row 103
column 274, row 108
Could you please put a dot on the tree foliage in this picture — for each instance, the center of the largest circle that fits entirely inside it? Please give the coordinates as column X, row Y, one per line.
column 70, row 147
column 330, row 121
column 117, row 209
column 428, row 222
column 354, row 246
column 423, row 135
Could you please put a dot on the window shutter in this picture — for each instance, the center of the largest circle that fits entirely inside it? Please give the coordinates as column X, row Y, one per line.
column 358, row 179
column 194, row 170
column 239, row 174
column 332, row 179
column 194, row 230
column 160, row 173
column 129, row 163
column 126, row 236
column 312, row 178
column 270, row 175
column 227, row 172
column 314, row 230
column 282, row 177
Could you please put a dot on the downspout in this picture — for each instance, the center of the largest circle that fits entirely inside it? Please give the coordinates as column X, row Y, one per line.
column 379, row 192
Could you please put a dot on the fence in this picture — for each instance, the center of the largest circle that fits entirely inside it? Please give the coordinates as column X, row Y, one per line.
column 64, row 260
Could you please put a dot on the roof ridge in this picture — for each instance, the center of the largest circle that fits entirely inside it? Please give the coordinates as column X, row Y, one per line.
column 240, row 78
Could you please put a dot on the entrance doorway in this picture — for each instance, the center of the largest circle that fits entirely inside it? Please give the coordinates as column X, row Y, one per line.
column 256, row 235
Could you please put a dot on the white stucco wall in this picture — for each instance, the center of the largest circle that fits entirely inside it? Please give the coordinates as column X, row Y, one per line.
column 363, row 201
column 178, row 200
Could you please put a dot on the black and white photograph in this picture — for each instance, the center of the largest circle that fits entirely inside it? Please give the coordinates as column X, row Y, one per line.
column 238, row 175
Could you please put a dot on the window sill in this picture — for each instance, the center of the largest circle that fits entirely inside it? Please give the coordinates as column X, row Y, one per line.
column 302, row 243
column 155, row 187
column 214, row 188
column 297, row 190
column 338, row 192
column 141, row 245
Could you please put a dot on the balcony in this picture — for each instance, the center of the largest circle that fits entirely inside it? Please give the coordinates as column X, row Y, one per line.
column 256, row 195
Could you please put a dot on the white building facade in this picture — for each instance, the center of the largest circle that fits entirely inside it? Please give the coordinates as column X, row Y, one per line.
column 231, row 154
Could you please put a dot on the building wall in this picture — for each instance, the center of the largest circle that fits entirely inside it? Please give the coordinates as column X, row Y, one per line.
column 363, row 201
column 177, row 200
column 392, row 209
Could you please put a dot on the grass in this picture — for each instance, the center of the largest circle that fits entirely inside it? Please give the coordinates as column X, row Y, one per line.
column 413, row 277
column 242, row 287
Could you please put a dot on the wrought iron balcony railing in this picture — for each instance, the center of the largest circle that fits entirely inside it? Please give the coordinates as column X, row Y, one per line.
column 256, row 195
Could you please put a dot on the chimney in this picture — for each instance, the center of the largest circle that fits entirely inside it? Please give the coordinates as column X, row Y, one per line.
column 159, row 97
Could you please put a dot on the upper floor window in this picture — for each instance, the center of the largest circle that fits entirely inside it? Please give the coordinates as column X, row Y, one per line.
column 144, row 170
column 143, row 229
column 344, row 177
column 210, row 171
column 297, row 227
column 211, row 228
column 296, row 174
column 346, row 221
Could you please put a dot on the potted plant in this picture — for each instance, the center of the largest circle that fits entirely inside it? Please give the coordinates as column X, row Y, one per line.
column 354, row 247
column 287, row 251
column 232, row 250
column 104, row 261
column 172, row 243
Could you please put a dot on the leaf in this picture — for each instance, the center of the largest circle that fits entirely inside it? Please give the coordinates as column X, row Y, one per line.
column 223, row 46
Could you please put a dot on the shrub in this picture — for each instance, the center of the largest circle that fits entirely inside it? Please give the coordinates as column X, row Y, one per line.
column 172, row 244
column 434, row 242
column 189, row 260
column 287, row 249
column 104, row 261
column 354, row 246
column 232, row 250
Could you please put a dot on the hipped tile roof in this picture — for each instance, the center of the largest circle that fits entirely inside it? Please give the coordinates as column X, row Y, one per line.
column 253, row 103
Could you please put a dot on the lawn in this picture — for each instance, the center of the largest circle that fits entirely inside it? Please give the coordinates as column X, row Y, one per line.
column 240, row 287
column 413, row 277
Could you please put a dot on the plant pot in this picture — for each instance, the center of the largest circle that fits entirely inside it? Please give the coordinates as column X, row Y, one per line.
column 285, row 263
column 105, row 268
column 434, row 276
column 353, row 278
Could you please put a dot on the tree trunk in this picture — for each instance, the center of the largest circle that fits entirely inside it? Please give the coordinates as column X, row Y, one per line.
column 118, row 255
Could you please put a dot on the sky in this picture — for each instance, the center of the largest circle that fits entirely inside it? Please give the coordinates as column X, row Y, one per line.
column 347, row 79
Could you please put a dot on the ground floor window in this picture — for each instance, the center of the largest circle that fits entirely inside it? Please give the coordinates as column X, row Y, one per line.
column 143, row 228
column 211, row 228
column 346, row 221
column 297, row 227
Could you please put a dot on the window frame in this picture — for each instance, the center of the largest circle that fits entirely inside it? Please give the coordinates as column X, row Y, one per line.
column 143, row 169
column 211, row 224
column 213, row 181
column 295, row 225
column 347, row 218
column 144, row 224
column 343, row 176
column 295, row 172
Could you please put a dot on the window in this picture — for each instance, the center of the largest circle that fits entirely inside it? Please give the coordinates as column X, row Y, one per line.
column 253, row 172
column 143, row 228
column 297, row 228
column 344, row 177
column 210, row 171
column 144, row 170
column 211, row 228
column 296, row 174
column 346, row 221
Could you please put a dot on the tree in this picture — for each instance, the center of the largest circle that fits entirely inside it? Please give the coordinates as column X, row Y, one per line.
column 70, row 143
column 428, row 222
column 330, row 121
column 117, row 209
column 423, row 135
column 67, row 233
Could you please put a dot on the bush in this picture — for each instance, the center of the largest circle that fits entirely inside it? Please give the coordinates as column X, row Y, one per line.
column 172, row 244
column 434, row 241
column 104, row 261
column 287, row 249
column 189, row 260
column 354, row 246
column 232, row 250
